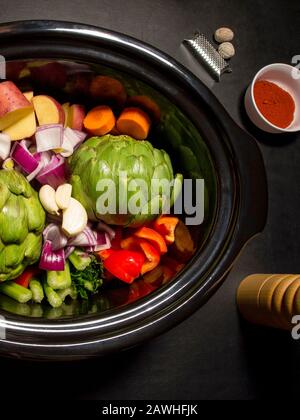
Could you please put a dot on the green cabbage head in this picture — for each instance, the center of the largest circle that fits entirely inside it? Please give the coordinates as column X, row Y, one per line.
column 108, row 158
column 22, row 220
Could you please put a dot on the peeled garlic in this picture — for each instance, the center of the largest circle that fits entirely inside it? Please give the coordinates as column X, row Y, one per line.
column 74, row 218
column 63, row 195
column 47, row 199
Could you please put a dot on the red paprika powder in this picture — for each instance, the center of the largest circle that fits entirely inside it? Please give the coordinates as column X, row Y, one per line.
column 276, row 105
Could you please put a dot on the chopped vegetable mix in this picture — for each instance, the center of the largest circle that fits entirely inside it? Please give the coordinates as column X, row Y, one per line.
column 55, row 245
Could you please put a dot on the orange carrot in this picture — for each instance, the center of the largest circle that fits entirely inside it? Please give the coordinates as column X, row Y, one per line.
column 147, row 105
column 100, row 120
column 108, row 90
column 135, row 123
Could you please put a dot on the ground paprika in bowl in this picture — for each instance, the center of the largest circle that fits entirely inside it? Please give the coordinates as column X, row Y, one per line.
column 272, row 100
column 275, row 103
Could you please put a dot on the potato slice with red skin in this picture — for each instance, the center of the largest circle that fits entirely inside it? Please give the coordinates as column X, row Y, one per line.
column 25, row 127
column 76, row 115
column 48, row 110
column 13, row 105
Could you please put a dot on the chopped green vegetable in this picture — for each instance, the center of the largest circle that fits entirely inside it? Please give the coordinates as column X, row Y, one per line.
column 36, row 310
column 89, row 280
column 16, row 292
column 53, row 298
column 53, row 313
column 59, row 280
column 22, row 220
column 69, row 291
column 103, row 159
column 14, row 307
column 37, row 290
column 80, row 259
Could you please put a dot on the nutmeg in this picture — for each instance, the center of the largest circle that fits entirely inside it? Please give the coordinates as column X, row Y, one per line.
column 226, row 50
column 224, row 35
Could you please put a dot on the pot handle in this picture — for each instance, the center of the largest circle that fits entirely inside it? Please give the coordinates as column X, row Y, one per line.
column 253, row 180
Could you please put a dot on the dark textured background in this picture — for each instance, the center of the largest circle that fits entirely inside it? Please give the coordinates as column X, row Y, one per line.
column 211, row 355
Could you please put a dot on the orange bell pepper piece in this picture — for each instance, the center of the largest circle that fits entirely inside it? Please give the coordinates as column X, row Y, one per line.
column 131, row 243
column 153, row 237
column 166, row 226
column 105, row 254
column 152, row 255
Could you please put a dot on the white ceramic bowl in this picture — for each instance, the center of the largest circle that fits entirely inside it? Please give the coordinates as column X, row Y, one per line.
column 288, row 78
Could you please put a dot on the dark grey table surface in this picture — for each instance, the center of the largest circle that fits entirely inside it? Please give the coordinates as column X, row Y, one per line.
column 212, row 355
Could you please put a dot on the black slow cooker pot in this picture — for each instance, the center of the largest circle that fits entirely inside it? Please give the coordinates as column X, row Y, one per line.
column 203, row 142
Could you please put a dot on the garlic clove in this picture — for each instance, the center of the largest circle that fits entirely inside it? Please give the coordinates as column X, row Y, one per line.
column 47, row 199
column 63, row 195
column 75, row 218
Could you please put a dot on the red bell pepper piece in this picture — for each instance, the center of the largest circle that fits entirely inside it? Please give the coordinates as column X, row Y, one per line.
column 151, row 253
column 24, row 279
column 153, row 237
column 125, row 265
column 166, row 226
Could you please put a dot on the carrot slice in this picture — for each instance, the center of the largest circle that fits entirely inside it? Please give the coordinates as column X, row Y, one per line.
column 100, row 120
column 135, row 123
column 108, row 90
column 146, row 104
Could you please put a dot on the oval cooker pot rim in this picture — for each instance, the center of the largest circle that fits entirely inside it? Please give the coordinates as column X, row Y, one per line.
column 241, row 209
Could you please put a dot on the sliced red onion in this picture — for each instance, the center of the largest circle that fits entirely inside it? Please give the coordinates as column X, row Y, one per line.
column 52, row 260
column 91, row 240
column 33, row 174
column 68, row 142
column 81, row 136
column 54, row 234
column 5, row 145
column 85, row 238
column 54, row 173
column 68, row 251
column 49, row 137
column 71, row 140
column 43, row 157
column 21, row 155
column 104, row 227
column 104, row 243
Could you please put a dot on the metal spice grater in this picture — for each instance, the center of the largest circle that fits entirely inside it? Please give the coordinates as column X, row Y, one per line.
column 204, row 51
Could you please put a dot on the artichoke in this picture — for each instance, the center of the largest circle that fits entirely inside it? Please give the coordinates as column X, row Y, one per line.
column 107, row 158
column 22, row 220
